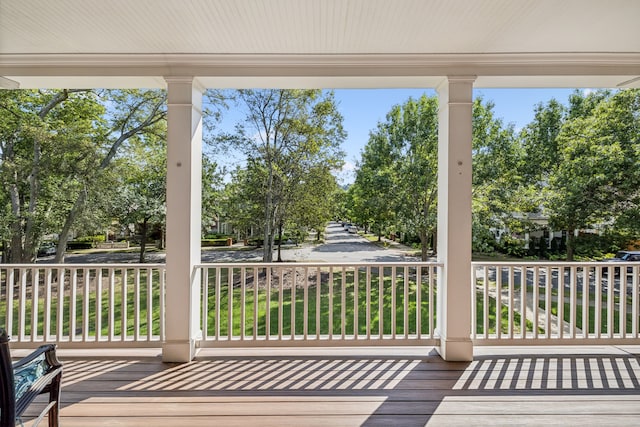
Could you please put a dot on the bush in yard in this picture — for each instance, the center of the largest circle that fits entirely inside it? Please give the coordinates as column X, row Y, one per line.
column 213, row 242
column 76, row 245
column 513, row 246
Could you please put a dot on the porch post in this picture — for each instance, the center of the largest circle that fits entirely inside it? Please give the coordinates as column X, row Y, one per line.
column 184, row 199
column 454, row 218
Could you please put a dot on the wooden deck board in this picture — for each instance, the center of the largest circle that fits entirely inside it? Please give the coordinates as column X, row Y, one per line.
column 397, row 388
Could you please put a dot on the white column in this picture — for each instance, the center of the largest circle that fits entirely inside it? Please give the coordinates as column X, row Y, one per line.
column 184, row 200
column 454, row 218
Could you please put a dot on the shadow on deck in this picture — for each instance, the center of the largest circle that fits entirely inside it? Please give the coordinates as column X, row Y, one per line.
column 354, row 387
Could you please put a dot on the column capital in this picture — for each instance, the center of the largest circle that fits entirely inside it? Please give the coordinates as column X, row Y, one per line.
column 452, row 80
column 195, row 83
column 456, row 89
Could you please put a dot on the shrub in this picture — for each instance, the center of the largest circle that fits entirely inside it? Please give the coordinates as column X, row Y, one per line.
column 75, row 245
column 210, row 236
column 213, row 242
column 98, row 238
column 512, row 246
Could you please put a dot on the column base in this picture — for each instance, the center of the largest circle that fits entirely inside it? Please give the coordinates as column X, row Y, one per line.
column 456, row 350
column 179, row 351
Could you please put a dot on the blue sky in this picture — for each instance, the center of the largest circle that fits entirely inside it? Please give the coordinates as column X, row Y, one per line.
column 362, row 109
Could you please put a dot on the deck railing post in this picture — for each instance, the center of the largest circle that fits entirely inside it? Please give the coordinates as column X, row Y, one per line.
column 454, row 218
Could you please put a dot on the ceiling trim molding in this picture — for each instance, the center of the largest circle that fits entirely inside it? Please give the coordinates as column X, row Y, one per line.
column 494, row 64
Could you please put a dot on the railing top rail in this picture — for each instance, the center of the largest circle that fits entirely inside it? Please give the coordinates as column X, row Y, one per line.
column 316, row 264
column 550, row 263
column 76, row 266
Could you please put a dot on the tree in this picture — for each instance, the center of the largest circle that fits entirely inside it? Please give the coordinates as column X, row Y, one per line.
column 45, row 139
column 539, row 141
column 241, row 201
column 373, row 190
column 413, row 133
column 621, row 119
column 142, row 196
column 211, row 192
column 133, row 114
column 496, row 183
column 285, row 134
column 397, row 178
column 314, row 201
column 597, row 178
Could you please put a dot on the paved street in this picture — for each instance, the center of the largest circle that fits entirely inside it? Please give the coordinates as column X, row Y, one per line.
column 339, row 247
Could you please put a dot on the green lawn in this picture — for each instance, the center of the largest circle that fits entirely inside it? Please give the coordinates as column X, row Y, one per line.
column 553, row 305
column 133, row 293
column 344, row 301
column 346, row 297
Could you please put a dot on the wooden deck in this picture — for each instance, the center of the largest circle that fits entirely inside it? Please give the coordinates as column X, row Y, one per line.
column 353, row 387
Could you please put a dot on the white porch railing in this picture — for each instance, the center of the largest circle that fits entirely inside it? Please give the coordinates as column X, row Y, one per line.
column 303, row 304
column 300, row 304
column 555, row 303
column 118, row 305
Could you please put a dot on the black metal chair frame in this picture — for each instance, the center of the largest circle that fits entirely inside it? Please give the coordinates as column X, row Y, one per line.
column 12, row 410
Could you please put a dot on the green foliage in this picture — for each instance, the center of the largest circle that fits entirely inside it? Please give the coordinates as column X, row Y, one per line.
column 597, row 176
column 216, row 242
column 98, row 238
column 59, row 154
column 47, row 139
column 396, row 181
column 513, row 246
column 291, row 140
column 497, row 179
column 217, row 236
column 483, row 240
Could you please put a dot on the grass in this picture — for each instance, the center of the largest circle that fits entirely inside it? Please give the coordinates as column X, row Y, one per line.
column 97, row 302
column 553, row 306
column 604, row 320
column 493, row 318
column 341, row 298
column 289, row 311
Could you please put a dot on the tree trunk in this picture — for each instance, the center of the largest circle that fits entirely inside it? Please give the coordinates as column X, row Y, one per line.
column 30, row 239
column 16, row 248
column 63, row 238
column 143, row 239
column 424, row 245
column 15, row 251
column 571, row 241
column 267, row 250
column 279, row 242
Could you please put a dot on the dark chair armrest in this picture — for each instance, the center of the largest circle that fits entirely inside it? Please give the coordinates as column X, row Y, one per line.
column 50, row 355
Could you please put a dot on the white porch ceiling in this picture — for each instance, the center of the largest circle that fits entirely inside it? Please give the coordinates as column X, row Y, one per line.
column 320, row 43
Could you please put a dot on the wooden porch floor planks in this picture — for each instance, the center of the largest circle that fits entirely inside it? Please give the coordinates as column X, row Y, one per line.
column 353, row 387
